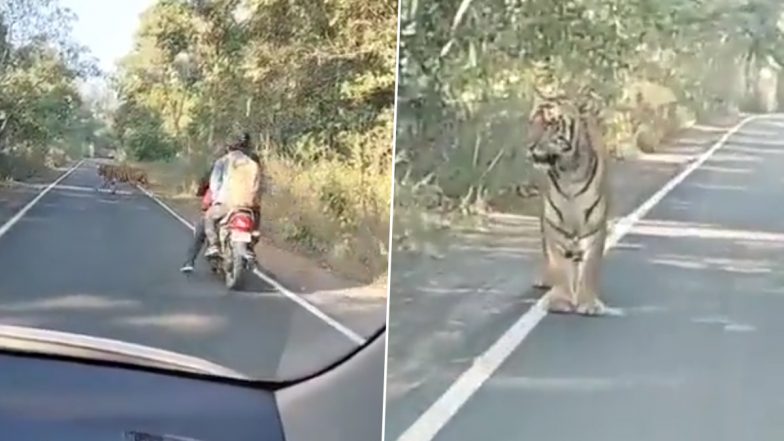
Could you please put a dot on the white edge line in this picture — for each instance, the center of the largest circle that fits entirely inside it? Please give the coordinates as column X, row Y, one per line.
column 429, row 423
column 70, row 187
column 391, row 223
column 351, row 335
column 11, row 222
column 624, row 224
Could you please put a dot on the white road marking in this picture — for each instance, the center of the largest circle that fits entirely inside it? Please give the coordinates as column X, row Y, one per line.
column 427, row 426
column 72, row 187
column 351, row 335
column 623, row 225
column 11, row 222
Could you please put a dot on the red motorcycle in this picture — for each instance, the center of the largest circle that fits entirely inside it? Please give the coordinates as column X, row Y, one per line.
column 237, row 236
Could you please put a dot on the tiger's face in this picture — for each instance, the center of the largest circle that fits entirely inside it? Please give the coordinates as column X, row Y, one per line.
column 552, row 131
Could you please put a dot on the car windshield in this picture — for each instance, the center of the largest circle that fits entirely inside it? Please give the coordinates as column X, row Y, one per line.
column 112, row 115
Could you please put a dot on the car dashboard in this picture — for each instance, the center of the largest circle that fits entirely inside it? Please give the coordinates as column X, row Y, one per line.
column 43, row 398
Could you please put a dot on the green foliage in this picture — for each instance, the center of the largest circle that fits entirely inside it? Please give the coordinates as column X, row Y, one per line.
column 148, row 143
column 142, row 134
column 468, row 71
column 42, row 115
column 307, row 77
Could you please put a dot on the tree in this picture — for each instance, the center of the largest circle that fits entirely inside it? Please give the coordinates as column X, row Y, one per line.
column 311, row 80
column 468, row 70
column 39, row 67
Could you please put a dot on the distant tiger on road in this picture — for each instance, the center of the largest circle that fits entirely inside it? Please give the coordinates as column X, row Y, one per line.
column 566, row 146
column 114, row 173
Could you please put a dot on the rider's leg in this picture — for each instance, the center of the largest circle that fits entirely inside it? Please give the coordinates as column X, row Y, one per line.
column 197, row 244
column 257, row 217
column 256, row 227
column 211, row 219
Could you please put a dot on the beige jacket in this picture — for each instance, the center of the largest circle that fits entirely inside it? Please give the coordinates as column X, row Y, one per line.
column 236, row 181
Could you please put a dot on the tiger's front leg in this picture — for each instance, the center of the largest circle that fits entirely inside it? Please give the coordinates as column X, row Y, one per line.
column 587, row 282
column 545, row 277
column 558, row 298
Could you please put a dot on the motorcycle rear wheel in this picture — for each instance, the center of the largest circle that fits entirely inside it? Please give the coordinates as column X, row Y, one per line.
column 234, row 266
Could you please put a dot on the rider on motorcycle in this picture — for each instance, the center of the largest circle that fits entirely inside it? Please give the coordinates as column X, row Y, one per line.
column 234, row 183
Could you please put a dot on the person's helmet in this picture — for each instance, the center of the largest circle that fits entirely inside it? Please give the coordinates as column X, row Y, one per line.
column 244, row 140
column 240, row 141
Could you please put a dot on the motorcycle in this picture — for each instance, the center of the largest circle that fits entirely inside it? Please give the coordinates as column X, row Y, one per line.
column 237, row 236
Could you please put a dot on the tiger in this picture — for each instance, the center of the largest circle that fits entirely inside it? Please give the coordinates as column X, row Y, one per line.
column 111, row 174
column 566, row 147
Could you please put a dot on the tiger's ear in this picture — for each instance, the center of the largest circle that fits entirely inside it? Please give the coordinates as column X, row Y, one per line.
column 536, row 115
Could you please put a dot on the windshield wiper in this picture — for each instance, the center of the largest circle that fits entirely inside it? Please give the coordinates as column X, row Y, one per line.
column 44, row 341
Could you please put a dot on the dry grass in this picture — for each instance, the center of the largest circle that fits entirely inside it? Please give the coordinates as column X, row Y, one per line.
column 332, row 211
column 31, row 164
column 174, row 179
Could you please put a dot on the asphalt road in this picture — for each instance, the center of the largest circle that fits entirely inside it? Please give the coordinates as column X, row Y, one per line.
column 695, row 357
column 108, row 265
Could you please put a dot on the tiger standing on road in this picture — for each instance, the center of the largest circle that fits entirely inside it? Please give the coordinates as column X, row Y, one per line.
column 566, row 146
column 112, row 174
